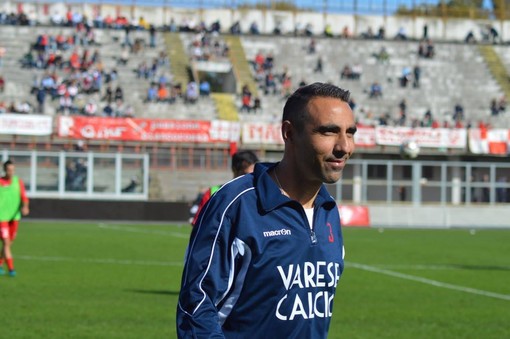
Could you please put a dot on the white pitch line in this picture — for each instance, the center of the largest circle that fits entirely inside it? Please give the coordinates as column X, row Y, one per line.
column 137, row 230
column 100, row 261
column 429, row 281
column 427, row 267
column 419, row 267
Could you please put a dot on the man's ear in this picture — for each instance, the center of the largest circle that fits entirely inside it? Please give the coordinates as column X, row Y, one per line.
column 287, row 131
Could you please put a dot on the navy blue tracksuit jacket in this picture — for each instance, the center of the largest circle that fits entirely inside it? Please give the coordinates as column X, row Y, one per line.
column 255, row 268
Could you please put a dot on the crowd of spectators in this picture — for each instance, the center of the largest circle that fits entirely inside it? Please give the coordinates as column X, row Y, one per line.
column 207, row 46
column 74, row 70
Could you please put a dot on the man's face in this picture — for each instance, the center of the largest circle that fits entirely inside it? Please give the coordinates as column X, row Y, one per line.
column 327, row 140
column 9, row 171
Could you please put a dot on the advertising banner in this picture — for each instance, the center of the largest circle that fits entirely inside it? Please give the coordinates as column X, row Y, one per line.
column 128, row 129
column 492, row 141
column 425, row 137
column 270, row 134
column 21, row 124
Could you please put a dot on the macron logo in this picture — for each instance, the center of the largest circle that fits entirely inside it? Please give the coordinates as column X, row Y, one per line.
column 276, row 233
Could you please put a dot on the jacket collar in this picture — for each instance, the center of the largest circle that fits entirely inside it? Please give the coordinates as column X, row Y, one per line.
column 269, row 194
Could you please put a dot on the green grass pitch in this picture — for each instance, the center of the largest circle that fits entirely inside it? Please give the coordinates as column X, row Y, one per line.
column 109, row 280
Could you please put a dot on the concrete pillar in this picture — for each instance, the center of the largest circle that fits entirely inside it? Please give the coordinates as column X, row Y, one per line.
column 416, row 183
column 456, row 186
column 357, row 184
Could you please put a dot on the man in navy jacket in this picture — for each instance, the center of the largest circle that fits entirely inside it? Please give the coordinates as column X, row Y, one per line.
column 266, row 253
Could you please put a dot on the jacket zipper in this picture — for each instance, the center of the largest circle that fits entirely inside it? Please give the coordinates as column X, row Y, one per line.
column 313, row 236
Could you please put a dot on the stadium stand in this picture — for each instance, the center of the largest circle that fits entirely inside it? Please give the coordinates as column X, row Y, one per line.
column 133, row 70
column 456, row 69
column 375, row 71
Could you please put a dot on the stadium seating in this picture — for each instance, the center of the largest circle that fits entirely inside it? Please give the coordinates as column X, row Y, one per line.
column 456, row 69
column 19, row 80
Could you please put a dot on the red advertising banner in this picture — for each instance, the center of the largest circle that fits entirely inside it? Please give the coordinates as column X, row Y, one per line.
column 354, row 216
column 425, row 137
column 492, row 141
column 22, row 124
column 262, row 133
column 127, row 129
column 270, row 133
column 365, row 137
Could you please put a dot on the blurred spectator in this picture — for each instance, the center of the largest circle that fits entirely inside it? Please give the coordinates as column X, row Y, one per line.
column 256, row 105
column 401, row 34
column 346, row 72
column 346, row 33
column 108, row 111
column 277, row 28
column 216, row 27
column 133, row 184
column 246, row 103
column 494, row 107
column 119, row 94
column 152, row 94
column 270, row 83
column 382, row 56
column 235, row 28
column 192, row 92
column 381, row 33
column 502, row 104
column 124, row 56
column 2, row 84
column 286, row 86
column 162, row 94
column 308, row 29
column 246, row 98
column 57, row 19
column 501, row 192
column 205, row 88
column 403, row 106
column 41, row 97
column 375, row 90
column 458, row 112
column 416, row 76
column 357, row 71
column 254, row 28
column 470, row 38
column 318, row 65
column 311, row 46
column 493, row 34
column 108, row 95
column 328, row 31
column 427, row 120
column 369, row 34
column 3, row 107
column 90, row 108
column 426, row 49
column 152, row 36
column 28, row 60
column 406, row 77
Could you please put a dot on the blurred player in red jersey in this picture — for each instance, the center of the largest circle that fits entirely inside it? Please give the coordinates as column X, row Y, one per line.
column 13, row 204
column 243, row 162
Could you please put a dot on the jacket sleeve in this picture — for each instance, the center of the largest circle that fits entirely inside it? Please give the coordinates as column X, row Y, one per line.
column 205, row 279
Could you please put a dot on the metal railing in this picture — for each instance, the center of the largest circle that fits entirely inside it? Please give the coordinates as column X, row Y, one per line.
column 82, row 175
column 119, row 176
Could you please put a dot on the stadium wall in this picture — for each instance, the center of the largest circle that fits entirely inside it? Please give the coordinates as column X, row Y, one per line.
column 386, row 216
column 108, row 210
column 472, row 216
column 438, row 28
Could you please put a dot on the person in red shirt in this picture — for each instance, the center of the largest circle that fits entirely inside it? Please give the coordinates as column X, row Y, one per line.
column 13, row 204
column 243, row 162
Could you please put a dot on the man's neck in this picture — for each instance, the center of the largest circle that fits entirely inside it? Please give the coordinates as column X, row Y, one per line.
column 294, row 187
